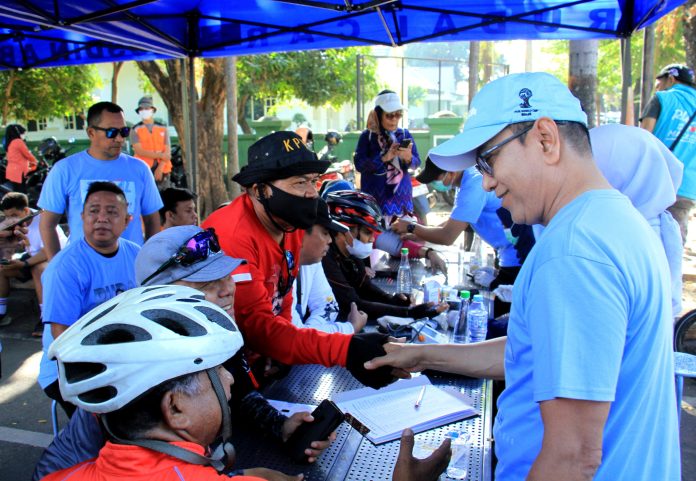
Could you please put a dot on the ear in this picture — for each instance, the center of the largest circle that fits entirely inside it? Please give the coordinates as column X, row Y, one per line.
column 169, row 216
column 548, row 136
column 174, row 414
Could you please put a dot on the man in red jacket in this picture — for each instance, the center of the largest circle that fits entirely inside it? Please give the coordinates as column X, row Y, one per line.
column 265, row 226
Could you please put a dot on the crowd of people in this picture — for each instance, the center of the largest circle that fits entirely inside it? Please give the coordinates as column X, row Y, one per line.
column 159, row 335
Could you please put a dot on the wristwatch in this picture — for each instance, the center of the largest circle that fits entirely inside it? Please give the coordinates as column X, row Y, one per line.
column 411, row 227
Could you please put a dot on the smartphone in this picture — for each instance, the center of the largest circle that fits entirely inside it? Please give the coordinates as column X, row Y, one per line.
column 405, row 144
column 327, row 417
column 21, row 221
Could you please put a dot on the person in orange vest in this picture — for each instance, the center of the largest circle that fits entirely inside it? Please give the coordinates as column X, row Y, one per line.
column 150, row 141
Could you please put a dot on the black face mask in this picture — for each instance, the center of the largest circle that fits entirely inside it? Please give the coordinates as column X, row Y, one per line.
column 299, row 212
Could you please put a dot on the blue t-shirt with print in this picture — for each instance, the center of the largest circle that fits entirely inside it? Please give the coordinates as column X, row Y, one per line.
column 67, row 183
column 480, row 209
column 591, row 320
column 77, row 280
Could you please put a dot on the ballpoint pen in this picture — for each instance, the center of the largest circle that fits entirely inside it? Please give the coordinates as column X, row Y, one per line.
column 420, row 397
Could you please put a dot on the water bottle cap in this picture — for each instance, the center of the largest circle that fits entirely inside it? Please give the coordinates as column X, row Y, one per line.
column 404, row 251
column 465, row 294
column 478, row 298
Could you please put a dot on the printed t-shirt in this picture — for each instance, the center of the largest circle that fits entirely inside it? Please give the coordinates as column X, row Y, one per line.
column 67, row 183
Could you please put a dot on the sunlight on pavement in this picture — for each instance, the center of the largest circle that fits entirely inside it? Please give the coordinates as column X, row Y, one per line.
column 22, row 379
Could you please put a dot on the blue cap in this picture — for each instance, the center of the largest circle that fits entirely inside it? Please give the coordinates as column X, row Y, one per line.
column 508, row 100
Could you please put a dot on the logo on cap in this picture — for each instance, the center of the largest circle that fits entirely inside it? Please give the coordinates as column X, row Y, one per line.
column 288, row 144
column 525, row 95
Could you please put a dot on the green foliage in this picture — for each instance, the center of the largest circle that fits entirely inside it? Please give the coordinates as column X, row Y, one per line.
column 319, row 77
column 47, row 92
column 416, row 94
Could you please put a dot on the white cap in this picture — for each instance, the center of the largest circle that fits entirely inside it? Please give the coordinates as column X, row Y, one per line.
column 389, row 102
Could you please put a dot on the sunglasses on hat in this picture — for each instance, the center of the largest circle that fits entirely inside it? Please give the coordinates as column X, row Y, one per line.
column 195, row 249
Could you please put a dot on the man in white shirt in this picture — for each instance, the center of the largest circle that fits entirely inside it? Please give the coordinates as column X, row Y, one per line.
column 314, row 304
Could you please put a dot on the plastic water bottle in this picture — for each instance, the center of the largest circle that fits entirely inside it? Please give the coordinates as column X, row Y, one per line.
column 459, row 335
column 403, row 275
column 455, row 306
column 459, row 463
column 477, row 320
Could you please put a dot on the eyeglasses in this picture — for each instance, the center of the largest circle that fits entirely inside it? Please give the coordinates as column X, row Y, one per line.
column 394, row 115
column 195, row 249
column 482, row 159
column 112, row 132
column 285, row 283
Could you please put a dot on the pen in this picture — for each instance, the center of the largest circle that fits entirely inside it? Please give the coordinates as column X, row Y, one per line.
column 420, row 397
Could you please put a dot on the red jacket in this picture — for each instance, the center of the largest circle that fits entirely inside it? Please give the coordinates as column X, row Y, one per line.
column 264, row 318
column 19, row 161
column 119, row 462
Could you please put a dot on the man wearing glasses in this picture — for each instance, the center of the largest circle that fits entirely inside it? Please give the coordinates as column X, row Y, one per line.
column 66, row 185
column 265, row 226
column 588, row 360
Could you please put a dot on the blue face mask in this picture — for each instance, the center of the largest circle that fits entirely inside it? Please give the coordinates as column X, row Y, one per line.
column 439, row 186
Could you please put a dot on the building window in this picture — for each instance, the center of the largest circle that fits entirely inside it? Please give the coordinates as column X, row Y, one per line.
column 31, row 126
column 74, row 121
column 42, row 123
column 268, row 105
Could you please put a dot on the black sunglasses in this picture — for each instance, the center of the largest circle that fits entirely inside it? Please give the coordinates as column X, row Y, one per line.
column 285, row 283
column 112, row 132
column 195, row 249
column 482, row 164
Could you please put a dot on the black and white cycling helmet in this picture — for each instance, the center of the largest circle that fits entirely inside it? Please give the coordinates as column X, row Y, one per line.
column 138, row 340
column 332, row 137
column 355, row 208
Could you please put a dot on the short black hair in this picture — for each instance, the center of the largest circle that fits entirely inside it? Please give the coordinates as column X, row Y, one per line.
column 145, row 412
column 14, row 200
column 102, row 186
column 95, row 112
column 172, row 196
column 574, row 133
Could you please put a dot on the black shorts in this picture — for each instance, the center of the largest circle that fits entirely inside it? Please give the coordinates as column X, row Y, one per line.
column 25, row 272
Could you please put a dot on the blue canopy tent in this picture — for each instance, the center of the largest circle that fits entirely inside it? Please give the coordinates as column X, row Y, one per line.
column 47, row 33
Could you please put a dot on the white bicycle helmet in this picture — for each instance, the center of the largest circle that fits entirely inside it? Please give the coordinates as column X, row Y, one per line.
column 138, row 340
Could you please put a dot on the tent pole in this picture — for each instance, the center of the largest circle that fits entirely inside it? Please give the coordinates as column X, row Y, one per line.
column 186, row 114
column 193, row 110
column 648, row 71
column 626, row 82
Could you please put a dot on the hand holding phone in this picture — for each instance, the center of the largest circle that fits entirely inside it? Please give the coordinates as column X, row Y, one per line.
column 327, row 417
column 405, row 144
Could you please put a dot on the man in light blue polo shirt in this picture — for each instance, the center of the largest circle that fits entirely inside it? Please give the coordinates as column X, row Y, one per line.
column 588, row 360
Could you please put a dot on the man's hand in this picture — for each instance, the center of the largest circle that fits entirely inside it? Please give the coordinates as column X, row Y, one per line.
column 159, row 171
column 293, row 422
column 400, row 226
column 437, row 263
column 405, row 357
column 271, row 474
column 409, row 468
column 356, row 317
column 429, row 310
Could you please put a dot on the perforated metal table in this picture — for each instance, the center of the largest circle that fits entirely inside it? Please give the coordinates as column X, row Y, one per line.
column 352, row 457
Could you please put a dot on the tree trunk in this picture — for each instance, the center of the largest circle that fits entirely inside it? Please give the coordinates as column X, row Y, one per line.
column 209, row 111
column 689, row 19
column 232, row 139
column 487, row 60
column 647, row 73
column 114, row 81
column 241, row 106
column 474, row 49
column 582, row 75
column 8, row 94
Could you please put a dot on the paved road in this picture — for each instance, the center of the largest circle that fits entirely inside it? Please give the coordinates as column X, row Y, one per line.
column 25, row 420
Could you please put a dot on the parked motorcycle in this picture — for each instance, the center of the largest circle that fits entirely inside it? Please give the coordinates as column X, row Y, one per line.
column 178, row 174
column 339, row 169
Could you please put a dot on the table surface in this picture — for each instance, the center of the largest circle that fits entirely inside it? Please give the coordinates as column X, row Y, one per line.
column 352, row 457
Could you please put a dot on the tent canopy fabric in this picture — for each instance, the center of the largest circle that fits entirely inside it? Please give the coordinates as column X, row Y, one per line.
column 45, row 33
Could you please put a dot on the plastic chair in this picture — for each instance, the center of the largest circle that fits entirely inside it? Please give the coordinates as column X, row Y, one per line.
column 684, row 366
column 54, row 417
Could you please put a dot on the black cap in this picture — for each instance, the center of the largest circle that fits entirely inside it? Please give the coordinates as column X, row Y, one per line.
column 278, row 156
column 324, row 218
column 430, row 173
column 680, row 72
